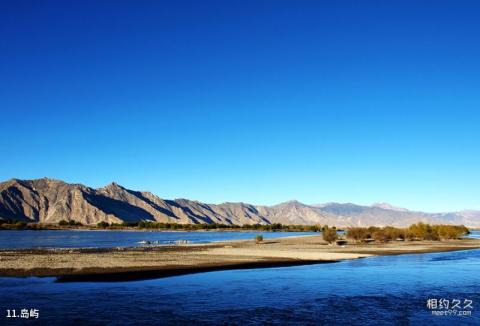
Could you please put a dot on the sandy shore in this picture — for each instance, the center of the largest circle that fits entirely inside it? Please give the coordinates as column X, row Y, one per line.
column 161, row 261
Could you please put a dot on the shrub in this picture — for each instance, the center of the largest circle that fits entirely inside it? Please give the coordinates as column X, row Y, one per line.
column 63, row 223
column 259, row 238
column 130, row 224
column 420, row 231
column 329, row 234
column 409, row 235
column 103, row 224
column 380, row 235
column 20, row 225
column 451, row 231
column 213, row 226
column 358, row 234
column 424, row 231
column 391, row 233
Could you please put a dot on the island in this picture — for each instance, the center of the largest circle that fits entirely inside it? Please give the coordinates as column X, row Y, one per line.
column 137, row 263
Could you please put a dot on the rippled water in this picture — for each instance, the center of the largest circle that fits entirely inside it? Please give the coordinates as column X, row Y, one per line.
column 389, row 290
column 107, row 239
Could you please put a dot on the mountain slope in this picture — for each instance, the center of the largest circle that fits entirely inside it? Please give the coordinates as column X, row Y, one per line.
column 374, row 215
column 49, row 201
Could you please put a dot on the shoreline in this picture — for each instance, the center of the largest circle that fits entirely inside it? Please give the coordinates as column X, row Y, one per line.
column 160, row 230
column 154, row 273
column 140, row 263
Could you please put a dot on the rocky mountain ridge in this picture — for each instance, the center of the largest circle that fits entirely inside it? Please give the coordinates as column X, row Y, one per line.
column 50, row 201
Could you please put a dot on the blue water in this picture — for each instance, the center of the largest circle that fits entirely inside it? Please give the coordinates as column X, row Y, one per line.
column 13, row 239
column 10, row 239
column 389, row 290
column 474, row 234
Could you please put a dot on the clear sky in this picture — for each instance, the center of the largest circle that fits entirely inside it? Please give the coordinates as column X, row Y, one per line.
column 254, row 101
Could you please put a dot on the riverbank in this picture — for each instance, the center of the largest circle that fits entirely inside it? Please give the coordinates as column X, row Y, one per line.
column 162, row 227
column 119, row 264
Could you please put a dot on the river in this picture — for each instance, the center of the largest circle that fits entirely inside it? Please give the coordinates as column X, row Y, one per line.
column 388, row 290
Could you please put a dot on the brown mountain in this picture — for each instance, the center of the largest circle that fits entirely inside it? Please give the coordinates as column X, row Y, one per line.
column 49, row 201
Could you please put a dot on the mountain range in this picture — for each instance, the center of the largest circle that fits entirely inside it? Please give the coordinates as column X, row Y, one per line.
column 50, row 201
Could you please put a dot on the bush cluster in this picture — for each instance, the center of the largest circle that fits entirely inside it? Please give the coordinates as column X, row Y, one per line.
column 69, row 223
column 13, row 224
column 329, row 234
column 20, row 225
column 103, row 225
column 419, row 231
column 213, row 226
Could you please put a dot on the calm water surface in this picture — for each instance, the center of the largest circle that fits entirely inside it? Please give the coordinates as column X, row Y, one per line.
column 106, row 239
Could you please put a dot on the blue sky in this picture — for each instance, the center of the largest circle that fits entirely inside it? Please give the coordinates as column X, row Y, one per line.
column 254, row 101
